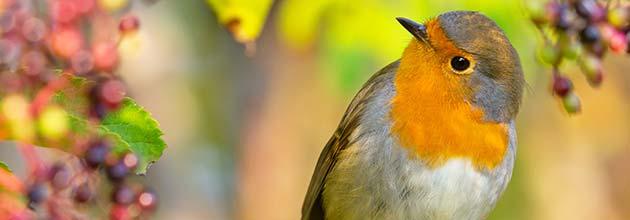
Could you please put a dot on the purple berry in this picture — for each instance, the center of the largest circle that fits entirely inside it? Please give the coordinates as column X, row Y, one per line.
column 83, row 193
column 96, row 154
column 123, row 195
column 117, row 172
column 562, row 85
column 59, row 176
column 37, row 193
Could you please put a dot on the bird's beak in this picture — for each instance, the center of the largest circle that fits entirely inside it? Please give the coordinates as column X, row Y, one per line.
column 419, row 31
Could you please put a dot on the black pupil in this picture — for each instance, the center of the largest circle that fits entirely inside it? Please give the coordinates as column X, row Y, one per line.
column 460, row 63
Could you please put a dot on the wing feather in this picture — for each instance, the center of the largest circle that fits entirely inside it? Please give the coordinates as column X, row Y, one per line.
column 312, row 208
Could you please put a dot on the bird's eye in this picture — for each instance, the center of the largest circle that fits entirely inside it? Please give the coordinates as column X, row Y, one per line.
column 460, row 63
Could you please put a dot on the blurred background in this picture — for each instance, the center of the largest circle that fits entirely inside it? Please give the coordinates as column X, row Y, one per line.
column 245, row 123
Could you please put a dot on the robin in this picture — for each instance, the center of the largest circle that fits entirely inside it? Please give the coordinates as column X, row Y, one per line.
column 431, row 135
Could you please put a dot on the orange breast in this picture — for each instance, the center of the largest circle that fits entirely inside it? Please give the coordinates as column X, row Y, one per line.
column 432, row 118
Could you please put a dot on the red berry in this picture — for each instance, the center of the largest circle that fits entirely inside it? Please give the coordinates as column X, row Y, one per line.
column 129, row 24
column 113, row 92
column 148, row 200
column 130, row 160
column 84, row 6
column 83, row 193
column 34, row 62
column 63, row 11
column 34, row 29
column 119, row 212
column 618, row 42
column 105, row 56
column 562, row 85
column 66, row 41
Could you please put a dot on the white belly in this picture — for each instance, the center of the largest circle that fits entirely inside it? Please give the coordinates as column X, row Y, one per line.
column 375, row 179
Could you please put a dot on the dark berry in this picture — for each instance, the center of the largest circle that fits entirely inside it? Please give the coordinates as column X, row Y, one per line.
column 37, row 193
column 564, row 18
column 590, row 34
column 59, row 176
column 118, row 171
column 83, row 193
column 96, row 154
column 598, row 49
column 562, row 85
column 123, row 195
column 590, row 10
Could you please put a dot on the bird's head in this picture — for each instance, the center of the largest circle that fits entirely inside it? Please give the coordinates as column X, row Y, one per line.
column 467, row 56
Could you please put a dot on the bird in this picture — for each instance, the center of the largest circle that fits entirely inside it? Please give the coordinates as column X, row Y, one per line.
column 432, row 135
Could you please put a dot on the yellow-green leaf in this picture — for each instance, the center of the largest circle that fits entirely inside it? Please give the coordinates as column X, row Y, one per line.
column 243, row 18
column 4, row 166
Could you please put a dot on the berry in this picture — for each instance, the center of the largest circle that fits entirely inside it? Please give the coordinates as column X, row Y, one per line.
column 117, row 172
column 618, row 42
column 34, row 62
column 37, row 193
column 130, row 160
column 571, row 103
column 550, row 55
column 123, row 195
column 112, row 93
column 592, row 69
column 84, row 6
column 147, row 200
column 105, row 56
column 59, row 176
column 590, row 34
column 34, row 29
column 82, row 62
column 562, row 85
column 66, row 41
column 119, row 212
column 129, row 24
column 96, row 154
column 590, row 10
column 83, row 193
column 63, row 11
column 618, row 17
column 564, row 18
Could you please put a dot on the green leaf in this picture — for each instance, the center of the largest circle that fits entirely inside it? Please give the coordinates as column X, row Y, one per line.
column 4, row 166
column 133, row 129
column 130, row 128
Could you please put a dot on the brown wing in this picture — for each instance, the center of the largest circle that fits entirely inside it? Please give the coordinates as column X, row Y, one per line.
column 312, row 208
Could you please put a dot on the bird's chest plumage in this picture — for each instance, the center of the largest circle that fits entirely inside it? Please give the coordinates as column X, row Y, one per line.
column 377, row 179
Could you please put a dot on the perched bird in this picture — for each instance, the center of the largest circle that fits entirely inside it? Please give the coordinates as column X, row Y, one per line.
column 431, row 135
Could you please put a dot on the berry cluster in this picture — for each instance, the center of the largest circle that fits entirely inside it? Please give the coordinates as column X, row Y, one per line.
column 45, row 44
column 580, row 30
